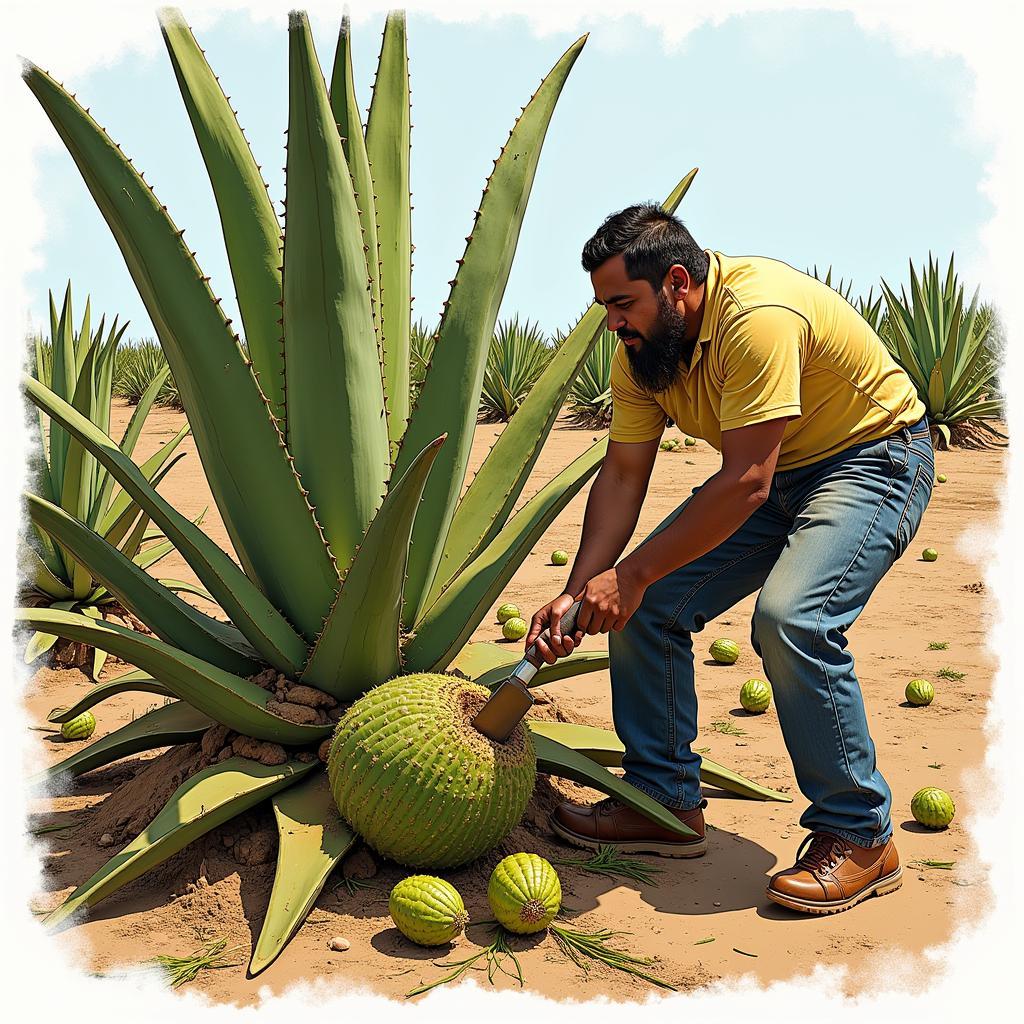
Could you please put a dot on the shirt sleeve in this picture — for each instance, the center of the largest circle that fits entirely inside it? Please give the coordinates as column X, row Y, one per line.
column 636, row 416
column 761, row 354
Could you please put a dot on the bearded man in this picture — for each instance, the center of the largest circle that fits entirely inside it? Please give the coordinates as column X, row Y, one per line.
column 827, row 468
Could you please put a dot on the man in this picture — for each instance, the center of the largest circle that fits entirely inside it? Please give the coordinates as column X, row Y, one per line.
column 827, row 468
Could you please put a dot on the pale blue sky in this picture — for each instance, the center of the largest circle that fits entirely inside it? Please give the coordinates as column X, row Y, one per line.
column 816, row 142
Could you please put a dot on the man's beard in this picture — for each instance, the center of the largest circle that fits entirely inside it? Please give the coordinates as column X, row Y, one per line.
column 659, row 360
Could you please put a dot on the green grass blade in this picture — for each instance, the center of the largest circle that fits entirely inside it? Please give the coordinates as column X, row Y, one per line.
column 257, row 619
column 239, row 444
column 166, row 614
column 311, row 839
column 448, row 400
column 231, row 700
column 249, row 223
column 361, row 638
column 336, row 426
column 350, row 128
column 201, row 803
column 556, row 759
column 388, row 131
column 450, row 621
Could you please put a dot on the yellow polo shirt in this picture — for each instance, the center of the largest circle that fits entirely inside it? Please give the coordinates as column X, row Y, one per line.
column 773, row 343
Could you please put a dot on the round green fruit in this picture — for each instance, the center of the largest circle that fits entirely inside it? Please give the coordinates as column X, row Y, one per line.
column 941, row 478
column 427, row 910
column 524, row 893
column 920, row 692
column 725, row 652
column 690, row 442
column 666, row 446
column 929, row 554
column 559, row 558
column 514, row 628
column 414, row 778
column 79, row 728
column 755, row 696
column 506, row 612
column 932, row 807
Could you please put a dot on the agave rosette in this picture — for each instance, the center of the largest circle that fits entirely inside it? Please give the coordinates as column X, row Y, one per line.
column 359, row 560
column 517, row 357
column 68, row 483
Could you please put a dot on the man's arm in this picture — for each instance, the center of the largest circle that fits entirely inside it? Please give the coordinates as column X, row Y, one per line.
column 718, row 509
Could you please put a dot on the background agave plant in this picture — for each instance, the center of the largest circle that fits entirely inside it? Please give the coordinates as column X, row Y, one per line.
column 137, row 366
column 590, row 398
column 353, row 569
column 66, row 481
column 421, row 347
column 515, row 360
column 949, row 353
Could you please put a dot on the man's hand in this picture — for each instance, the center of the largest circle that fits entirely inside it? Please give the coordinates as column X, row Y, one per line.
column 550, row 617
column 609, row 601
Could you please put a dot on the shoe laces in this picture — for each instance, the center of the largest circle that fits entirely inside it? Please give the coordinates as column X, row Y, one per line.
column 609, row 805
column 820, row 851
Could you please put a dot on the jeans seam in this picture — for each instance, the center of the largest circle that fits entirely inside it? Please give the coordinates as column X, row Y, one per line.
column 906, row 509
column 817, row 634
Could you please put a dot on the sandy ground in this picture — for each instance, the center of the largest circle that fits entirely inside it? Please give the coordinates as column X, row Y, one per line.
column 204, row 893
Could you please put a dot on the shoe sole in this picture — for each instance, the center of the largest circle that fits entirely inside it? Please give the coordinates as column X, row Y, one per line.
column 882, row 887
column 695, row 849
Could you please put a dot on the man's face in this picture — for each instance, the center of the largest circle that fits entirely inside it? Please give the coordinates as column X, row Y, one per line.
column 649, row 324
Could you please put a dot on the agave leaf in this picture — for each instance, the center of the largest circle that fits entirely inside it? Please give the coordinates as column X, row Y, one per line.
column 43, row 580
column 332, row 368
column 576, row 664
column 554, row 758
column 250, row 226
column 184, row 587
column 508, row 464
column 350, row 129
column 715, row 774
column 99, row 657
column 256, row 618
column 169, row 617
column 239, row 444
column 388, row 131
column 201, row 803
column 122, row 510
column 163, row 727
column 450, row 621
column 41, row 642
column 459, row 357
column 487, row 664
column 311, row 839
column 63, row 375
column 360, row 640
column 127, row 682
column 231, row 700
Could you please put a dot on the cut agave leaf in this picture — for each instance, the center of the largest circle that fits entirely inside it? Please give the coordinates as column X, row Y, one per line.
column 163, row 727
column 204, row 801
column 233, row 701
column 311, row 839
column 556, row 759
column 488, row 664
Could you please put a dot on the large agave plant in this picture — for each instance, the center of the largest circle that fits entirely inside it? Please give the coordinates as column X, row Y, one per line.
column 353, row 569
column 67, row 481
column 516, row 359
column 947, row 352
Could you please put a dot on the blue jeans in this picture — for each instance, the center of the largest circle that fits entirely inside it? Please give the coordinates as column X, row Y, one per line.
column 816, row 549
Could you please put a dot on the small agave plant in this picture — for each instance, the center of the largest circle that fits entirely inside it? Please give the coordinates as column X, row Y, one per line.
column 360, row 564
column 68, row 482
column 515, row 361
column 948, row 352
column 590, row 398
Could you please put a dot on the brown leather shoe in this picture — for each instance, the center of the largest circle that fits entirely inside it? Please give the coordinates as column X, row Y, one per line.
column 610, row 823
column 831, row 874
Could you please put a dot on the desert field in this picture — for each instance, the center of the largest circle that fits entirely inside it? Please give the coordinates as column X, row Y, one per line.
column 704, row 920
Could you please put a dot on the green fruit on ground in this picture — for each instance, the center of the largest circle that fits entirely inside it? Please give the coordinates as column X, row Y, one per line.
column 690, row 442
column 920, row 692
column 559, row 558
column 79, row 728
column 932, row 807
column 929, row 554
column 514, row 628
column 418, row 782
column 524, row 893
column 724, row 651
column 755, row 696
column 666, row 445
column 941, row 478
column 506, row 612
column 428, row 910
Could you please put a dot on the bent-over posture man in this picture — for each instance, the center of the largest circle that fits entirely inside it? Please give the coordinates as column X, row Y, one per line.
column 827, row 468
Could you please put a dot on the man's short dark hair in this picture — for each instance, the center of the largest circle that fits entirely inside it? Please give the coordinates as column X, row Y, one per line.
column 650, row 240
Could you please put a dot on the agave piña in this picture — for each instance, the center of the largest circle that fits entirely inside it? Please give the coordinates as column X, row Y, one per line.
column 68, row 483
column 360, row 559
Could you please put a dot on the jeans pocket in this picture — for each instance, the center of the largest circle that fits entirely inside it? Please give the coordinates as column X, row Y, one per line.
column 913, row 511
